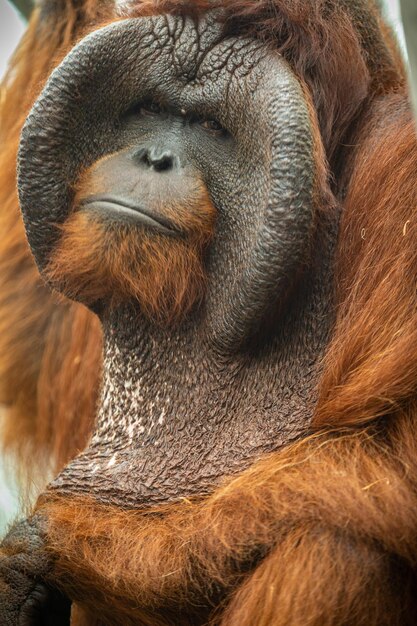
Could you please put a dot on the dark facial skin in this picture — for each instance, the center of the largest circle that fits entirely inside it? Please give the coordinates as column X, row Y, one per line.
column 182, row 407
column 133, row 185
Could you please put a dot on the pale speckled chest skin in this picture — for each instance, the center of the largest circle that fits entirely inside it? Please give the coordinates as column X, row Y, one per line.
column 183, row 408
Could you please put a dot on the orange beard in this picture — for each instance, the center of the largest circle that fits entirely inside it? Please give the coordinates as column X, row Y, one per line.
column 97, row 260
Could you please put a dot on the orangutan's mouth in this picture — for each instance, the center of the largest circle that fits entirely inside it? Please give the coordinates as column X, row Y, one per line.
column 127, row 211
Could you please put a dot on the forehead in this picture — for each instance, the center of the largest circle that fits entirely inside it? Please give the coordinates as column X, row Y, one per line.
column 180, row 47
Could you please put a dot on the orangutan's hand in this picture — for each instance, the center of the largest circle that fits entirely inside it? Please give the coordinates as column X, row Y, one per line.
column 25, row 599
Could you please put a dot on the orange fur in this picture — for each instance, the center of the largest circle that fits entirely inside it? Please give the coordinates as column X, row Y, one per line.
column 97, row 260
column 44, row 425
column 324, row 532
column 332, row 67
column 337, row 516
column 371, row 365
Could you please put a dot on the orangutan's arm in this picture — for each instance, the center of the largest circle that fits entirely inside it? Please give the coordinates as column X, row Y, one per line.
column 326, row 529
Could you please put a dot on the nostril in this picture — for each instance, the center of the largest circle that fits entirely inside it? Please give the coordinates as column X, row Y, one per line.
column 142, row 156
column 164, row 163
column 161, row 160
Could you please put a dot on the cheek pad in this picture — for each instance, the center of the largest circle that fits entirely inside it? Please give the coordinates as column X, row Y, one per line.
column 264, row 196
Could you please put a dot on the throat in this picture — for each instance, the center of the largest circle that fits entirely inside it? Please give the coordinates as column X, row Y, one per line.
column 176, row 417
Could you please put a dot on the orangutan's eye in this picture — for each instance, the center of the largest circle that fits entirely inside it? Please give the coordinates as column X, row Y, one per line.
column 213, row 127
column 150, row 109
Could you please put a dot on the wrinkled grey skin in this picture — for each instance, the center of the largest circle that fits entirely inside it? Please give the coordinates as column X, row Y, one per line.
column 181, row 409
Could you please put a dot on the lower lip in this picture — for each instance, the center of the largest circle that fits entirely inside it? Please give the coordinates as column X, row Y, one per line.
column 119, row 211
